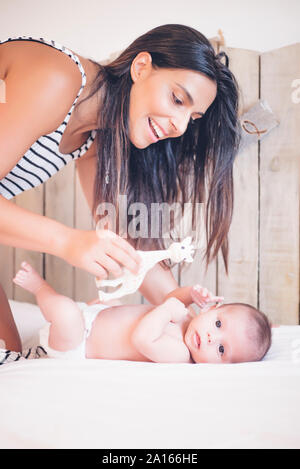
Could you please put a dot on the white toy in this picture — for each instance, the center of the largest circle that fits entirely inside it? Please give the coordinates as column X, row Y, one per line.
column 129, row 282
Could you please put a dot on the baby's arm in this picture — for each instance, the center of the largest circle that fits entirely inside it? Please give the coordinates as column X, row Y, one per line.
column 194, row 294
column 150, row 339
column 184, row 295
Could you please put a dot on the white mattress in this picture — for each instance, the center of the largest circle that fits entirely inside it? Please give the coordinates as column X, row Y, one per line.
column 49, row 403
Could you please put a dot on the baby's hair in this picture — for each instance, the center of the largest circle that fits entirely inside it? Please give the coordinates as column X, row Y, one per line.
column 260, row 332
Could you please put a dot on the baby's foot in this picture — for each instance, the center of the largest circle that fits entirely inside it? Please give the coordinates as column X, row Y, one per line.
column 28, row 278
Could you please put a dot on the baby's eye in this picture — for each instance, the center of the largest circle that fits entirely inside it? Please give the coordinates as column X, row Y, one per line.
column 218, row 323
column 221, row 349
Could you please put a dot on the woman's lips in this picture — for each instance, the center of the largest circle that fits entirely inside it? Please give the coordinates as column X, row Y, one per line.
column 152, row 134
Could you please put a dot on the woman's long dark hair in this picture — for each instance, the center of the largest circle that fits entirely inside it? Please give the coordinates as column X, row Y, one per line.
column 196, row 167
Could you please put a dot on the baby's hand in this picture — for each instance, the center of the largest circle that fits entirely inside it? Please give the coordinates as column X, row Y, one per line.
column 202, row 297
column 177, row 309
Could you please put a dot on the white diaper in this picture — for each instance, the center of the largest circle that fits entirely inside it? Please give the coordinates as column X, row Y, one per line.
column 90, row 313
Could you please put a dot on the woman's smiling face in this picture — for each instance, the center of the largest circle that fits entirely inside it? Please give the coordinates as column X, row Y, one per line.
column 163, row 101
column 219, row 335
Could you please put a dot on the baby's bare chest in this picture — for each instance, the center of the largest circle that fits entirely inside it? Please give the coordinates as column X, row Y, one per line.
column 174, row 330
column 112, row 331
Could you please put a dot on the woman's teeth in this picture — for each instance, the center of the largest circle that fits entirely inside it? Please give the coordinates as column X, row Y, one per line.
column 156, row 130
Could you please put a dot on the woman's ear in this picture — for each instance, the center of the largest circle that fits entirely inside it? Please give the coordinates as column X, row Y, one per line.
column 141, row 66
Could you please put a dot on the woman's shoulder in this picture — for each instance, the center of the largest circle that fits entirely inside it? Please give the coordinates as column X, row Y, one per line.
column 55, row 77
column 19, row 53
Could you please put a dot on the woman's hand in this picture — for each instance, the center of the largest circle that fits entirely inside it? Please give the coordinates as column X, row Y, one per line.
column 203, row 297
column 99, row 252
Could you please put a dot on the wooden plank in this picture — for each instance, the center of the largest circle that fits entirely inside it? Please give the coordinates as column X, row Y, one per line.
column 59, row 205
column 85, row 286
column 33, row 200
column 241, row 283
column 279, row 176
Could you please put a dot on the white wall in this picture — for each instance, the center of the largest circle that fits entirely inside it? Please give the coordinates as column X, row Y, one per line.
column 96, row 28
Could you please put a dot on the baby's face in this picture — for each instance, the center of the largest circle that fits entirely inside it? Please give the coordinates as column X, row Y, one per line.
column 219, row 335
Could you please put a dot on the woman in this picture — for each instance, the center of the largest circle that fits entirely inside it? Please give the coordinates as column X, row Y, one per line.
column 158, row 124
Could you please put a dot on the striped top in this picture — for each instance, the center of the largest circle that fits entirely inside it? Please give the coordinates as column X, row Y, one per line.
column 43, row 159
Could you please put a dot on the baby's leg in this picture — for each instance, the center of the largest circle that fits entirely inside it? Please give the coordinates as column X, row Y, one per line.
column 67, row 323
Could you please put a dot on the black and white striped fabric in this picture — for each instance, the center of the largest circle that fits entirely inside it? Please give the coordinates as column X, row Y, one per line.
column 8, row 356
column 43, row 158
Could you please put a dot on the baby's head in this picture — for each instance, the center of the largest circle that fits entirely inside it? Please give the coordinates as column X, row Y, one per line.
column 231, row 333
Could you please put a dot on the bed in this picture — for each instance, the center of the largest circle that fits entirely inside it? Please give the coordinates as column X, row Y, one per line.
column 49, row 403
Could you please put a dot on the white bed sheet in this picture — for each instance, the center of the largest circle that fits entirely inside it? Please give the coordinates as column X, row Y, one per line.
column 50, row 403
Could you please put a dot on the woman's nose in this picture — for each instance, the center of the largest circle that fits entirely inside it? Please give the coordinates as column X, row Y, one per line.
column 180, row 124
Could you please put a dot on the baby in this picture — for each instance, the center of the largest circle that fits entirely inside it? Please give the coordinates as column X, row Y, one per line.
column 171, row 332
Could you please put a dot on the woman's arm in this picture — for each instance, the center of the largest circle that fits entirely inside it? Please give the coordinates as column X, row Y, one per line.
column 21, row 228
column 88, row 250
column 157, row 284
column 183, row 294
